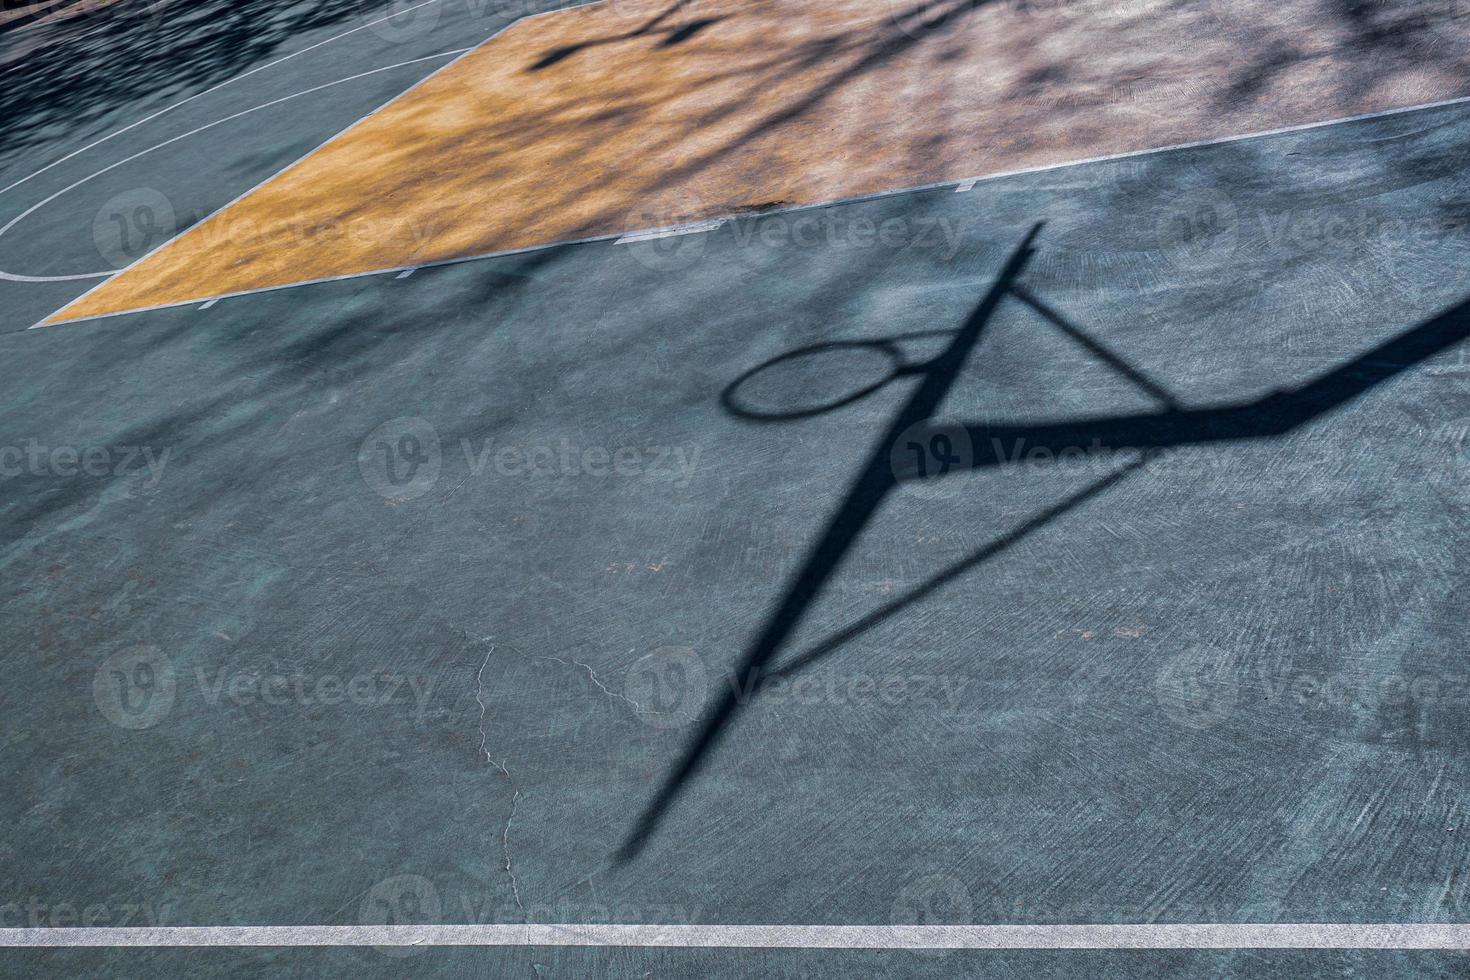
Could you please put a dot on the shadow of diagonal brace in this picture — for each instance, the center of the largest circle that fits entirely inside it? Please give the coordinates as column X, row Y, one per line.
column 1173, row 424
column 861, row 502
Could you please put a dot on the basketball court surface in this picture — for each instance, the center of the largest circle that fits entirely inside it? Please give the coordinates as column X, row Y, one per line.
column 735, row 488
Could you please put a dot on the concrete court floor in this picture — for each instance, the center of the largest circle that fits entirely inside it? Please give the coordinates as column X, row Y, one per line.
column 1228, row 686
column 263, row 549
column 615, row 117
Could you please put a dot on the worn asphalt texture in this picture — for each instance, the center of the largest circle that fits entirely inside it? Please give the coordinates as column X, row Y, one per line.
column 599, row 583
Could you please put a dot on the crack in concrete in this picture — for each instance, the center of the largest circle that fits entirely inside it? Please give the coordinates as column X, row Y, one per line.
column 595, row 680
column 515, row 798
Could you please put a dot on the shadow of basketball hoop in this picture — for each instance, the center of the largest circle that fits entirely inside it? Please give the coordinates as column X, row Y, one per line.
column 821, row 378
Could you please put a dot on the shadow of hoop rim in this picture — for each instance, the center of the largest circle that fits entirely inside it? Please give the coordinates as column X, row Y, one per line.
column 730, row 398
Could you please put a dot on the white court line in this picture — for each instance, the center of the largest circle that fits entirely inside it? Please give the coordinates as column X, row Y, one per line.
column 213, row 88
column 1207, row 935
column 878, row 195
column 442, row 68
column 19, row 277
column 673, row 231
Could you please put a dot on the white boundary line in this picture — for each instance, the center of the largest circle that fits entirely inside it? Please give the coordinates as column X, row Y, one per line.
column 212, row 88
column 693, row 228
column 302, row 159
column 1209, row 935
column 645, row 234
column 5, row 228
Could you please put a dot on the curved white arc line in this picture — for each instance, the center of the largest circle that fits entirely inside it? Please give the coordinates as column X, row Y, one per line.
column 17, row 277
column 412, row 88
column 212, row 88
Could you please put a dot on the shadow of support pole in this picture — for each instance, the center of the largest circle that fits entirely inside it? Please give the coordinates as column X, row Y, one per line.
column 846, row 525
